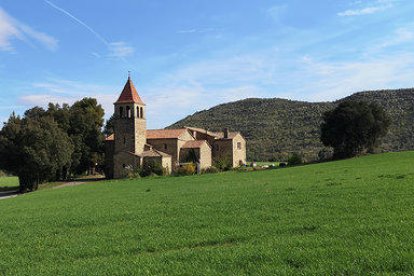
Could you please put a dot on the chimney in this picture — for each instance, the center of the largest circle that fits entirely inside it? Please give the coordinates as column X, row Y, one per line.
column 226, row 133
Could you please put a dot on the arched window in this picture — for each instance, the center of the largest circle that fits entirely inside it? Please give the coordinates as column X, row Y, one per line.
column 128, row 111
column 141, row 112
column 138, row 114
column 121, row 112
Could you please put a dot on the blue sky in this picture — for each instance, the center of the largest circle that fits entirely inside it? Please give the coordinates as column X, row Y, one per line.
column 186, row 56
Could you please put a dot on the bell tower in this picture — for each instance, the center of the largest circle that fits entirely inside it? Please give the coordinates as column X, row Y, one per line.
column 130, row 122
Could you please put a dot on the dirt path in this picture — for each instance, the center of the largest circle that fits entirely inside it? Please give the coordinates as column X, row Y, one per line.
column 12, row 194
column 69, row 184
column 8, row 194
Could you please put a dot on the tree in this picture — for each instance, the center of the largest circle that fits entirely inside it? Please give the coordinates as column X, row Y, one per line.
column 35, row 149
column 60, row 114
column 109, row 126
column 295, row 159
column 86, row 122
column 354, row 127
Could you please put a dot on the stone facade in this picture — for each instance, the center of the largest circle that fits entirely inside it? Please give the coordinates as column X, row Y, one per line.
column 239, row 150
column 197, row 151
column 130, row 129
column 132, row 145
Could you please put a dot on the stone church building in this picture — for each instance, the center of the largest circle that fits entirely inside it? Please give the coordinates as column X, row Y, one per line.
column 132, row 144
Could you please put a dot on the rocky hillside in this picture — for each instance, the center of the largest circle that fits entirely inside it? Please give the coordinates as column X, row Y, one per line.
column 276, row 127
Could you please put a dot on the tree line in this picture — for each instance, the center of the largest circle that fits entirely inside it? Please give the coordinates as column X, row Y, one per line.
column 52, row 144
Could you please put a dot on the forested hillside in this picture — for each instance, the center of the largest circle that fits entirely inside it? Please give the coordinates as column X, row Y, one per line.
column 276, row 127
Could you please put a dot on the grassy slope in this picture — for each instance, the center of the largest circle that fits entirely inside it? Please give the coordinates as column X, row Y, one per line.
column 9, row 182
column 353, row 216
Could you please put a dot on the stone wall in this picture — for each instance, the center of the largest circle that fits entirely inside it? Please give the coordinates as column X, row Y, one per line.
column 239, row 151
column 124, row 161
column 130, row 131
column 109, row 159
column 230, row 150
column 205, row 156
column 169, row 146
column 202, row 156
column 223, row 150
column 167, row 164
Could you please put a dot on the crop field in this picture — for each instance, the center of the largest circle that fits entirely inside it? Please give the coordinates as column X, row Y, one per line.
column 352, row 217
column 9, row 182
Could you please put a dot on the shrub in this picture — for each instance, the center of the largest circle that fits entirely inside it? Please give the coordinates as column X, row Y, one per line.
column 223, row 164
column 211, row 169
column 244, row 169
column 295, row 159
column 324, row 155
column 133, row 173
column 151, row 167
column 186, row 169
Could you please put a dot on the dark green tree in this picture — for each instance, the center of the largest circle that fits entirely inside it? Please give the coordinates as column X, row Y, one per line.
column 295, row 159
column 109, row 126
column 61, row 114
column 85, row 130
column 35, row 149
column 354, row 127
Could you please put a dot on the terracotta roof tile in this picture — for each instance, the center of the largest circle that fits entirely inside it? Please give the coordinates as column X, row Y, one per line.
column 154, row 153
column 194, row 144
column 165, row 133
column 129, row 94
column 200, row 130
column 220, row 135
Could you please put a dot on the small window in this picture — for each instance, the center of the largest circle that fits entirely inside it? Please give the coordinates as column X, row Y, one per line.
column 128, row 112
column 121, row 112
column 165, row 146
column 141, row 111
column 239, row 145
column 123, row 166
column 138, row 113
column 124, row 140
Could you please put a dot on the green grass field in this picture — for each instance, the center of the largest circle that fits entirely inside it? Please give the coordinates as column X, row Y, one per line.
column 352, row 217
column 9, row 182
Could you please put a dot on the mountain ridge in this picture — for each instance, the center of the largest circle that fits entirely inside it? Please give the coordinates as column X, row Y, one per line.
column 276, row 127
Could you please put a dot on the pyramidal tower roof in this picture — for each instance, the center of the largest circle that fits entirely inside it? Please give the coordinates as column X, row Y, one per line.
column 129, row 94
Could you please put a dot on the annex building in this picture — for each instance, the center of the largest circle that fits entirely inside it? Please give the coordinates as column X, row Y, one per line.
column 132, row 144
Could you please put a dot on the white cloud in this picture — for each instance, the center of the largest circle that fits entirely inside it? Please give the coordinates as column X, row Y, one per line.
column 8, row 31
column 236, row 69
column 67, row 91
column 120, row 49
column 334, row 80
column 400, row 36
column 370, row 8
column 44, row 99
column 11, row 29
column 170, row 103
